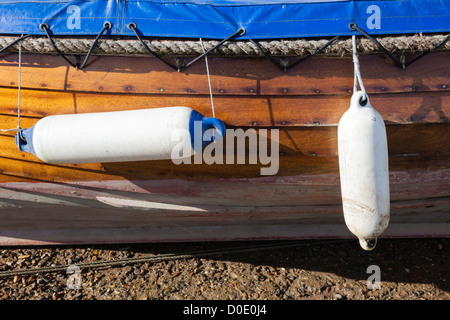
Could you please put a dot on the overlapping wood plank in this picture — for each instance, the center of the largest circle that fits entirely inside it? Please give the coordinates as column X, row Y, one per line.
column 229, row 76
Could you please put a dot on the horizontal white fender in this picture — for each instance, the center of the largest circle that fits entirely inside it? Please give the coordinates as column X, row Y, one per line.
column 364, row 172
column 134, row 135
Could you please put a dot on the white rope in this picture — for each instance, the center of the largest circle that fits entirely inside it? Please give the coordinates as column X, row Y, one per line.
column 209, row 78
column 357, row 77
column 19, row 86
column 19, row 129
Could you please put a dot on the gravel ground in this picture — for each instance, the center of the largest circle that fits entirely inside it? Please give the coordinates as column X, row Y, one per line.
column 408, row 269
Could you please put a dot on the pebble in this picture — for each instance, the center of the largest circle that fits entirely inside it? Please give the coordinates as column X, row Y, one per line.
column 266, row 275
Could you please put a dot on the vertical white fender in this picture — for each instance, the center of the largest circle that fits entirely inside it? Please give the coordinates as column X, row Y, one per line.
column 364, row 172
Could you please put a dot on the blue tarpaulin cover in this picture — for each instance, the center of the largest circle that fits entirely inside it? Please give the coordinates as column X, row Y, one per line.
column 217, row 19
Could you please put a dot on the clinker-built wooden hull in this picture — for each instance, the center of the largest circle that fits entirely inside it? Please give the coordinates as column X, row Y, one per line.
column 151, row 201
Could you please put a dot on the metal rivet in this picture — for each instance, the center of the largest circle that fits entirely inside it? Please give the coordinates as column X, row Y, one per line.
column 161, row 89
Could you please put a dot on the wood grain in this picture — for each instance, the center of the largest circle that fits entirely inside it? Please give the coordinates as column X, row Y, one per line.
column 257, row 111
column 302, row 150
column 301, row 200
column 235, row 76
column 320, row 141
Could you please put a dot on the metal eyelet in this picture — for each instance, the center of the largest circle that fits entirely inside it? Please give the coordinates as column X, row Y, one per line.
column 132, row 26
column 43, row 26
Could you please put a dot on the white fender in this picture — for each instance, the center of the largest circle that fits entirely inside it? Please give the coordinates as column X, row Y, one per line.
column 134, row 135
column 364, row 172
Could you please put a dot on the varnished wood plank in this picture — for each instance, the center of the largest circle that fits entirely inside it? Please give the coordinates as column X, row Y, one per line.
column 37, row 103
column 301, row 151
column 10, row 122
column 420, row 107
column 320, row 141
column 12, row 169
column 17, row 170
column 335, row 75
column 235, row 76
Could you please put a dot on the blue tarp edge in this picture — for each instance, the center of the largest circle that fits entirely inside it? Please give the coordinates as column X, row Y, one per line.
column 218, row 19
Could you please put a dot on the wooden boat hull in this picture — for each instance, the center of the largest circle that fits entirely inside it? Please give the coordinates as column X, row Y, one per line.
column 160, row 201
column 179, row 210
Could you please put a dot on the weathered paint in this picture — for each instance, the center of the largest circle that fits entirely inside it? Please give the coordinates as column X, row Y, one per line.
column 293, row 207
